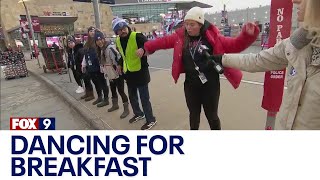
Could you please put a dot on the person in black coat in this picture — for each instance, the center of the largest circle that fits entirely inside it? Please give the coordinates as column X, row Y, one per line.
column 75, row 57
column 91, row 66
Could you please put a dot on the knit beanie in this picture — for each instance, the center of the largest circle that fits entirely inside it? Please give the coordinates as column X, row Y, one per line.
column 98, row 35
column 70, row 38
column 91, row 28
column 118, row 24
column 195, row 14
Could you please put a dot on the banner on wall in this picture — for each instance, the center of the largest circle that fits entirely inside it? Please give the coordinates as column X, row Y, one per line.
column 24, row 24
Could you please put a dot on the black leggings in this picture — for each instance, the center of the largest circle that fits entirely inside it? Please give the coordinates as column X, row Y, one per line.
column 100, row 84
column 77, row 76
column 206, row 95
column 118, row 84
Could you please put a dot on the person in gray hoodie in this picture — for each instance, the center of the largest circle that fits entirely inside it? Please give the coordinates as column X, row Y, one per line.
column 109, row 60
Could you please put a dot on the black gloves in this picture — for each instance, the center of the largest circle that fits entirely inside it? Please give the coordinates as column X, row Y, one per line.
column 215, row 58
column 218, row 59
column 215, row 61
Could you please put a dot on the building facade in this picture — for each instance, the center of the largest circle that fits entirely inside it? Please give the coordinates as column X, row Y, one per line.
column 147, row 15
column 54, row 16
column 152, row 11
column 11, row 11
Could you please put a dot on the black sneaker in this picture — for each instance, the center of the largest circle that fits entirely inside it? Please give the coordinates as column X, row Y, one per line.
column 136, row 118
column 149, row 125
column 99, row 100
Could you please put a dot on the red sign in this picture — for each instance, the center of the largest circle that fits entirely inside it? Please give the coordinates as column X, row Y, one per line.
column 25, row 25
column 31, row 123
column 35, row 24
column 47, row 13
column 280, row 27
column 24, row 123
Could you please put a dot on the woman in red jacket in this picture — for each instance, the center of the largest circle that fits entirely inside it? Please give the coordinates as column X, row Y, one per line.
column 202, row 84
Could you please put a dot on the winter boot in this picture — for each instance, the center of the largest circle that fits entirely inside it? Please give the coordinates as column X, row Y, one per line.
column 85, row 95
column 115, row 105
column 125, row 110
column 105, row 102
column 90, row 96
column 98, row 100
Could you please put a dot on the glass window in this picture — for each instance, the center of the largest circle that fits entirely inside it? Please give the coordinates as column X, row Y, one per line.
column 142, row 13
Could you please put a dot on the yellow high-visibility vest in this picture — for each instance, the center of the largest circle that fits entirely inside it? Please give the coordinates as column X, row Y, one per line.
column 131, row 62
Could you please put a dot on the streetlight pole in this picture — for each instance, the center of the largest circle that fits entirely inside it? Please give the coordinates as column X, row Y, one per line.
column 31, row 28
column 96, row 13
column 248, row 14
column 27, row 34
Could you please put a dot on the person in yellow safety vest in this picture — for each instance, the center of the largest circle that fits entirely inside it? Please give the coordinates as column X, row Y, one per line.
column 134, row 66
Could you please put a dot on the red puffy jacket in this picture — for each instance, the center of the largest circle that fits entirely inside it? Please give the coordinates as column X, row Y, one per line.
column 219, row 43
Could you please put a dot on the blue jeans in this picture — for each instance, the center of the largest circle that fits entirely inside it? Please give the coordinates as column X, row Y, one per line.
column 145, row 101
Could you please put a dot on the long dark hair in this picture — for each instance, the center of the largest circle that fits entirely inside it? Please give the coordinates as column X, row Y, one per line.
column 69, row 50
column 186, row 40
column 99, row 50
column 90, row 43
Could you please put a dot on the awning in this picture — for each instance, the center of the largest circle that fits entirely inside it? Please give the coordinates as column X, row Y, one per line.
column 186, row 5
column 57, row 19
column 181, row 5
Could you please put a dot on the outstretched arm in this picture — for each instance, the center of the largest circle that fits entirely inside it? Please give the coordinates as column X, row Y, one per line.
column 166, row 42
column 267, row 60
column 248, row 35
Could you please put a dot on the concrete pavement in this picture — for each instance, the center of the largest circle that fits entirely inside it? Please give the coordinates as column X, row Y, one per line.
column 239, row 109
column 27, row 97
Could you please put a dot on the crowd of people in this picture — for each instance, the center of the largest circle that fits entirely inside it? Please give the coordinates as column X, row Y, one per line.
column 99, row 60
column 126, row 60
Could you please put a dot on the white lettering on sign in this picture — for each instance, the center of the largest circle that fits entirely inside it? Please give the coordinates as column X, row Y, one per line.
column 277, row 72
column 29, row 123
column 280, row 15
column 279, row 35
column 279, row 27
column 276, row 76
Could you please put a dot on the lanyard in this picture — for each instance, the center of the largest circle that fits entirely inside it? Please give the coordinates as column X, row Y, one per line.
column 195, row 49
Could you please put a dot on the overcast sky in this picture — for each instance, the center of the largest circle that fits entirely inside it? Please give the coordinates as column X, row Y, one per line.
column 233, row 4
